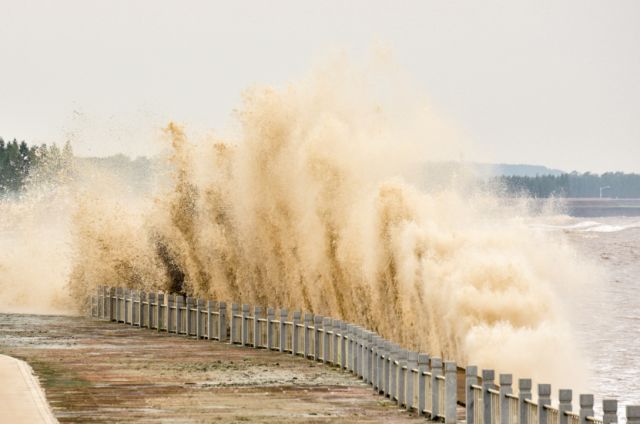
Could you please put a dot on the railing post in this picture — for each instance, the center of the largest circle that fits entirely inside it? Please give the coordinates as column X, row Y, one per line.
column 326, row 327
column 222, row 322
column 295, row 332
column 317, row 323
column 450, row 392
column 357, row 347
column 100, row 309
column 564, row 405
column 198, row 311
column 335, row 342
column 270, row 318
column 586, row 407
column 160, row 305
column 412, row 363
column 487, row 383
column 235, row 310
column 343, row 345
column 471, row 379
column 544, row 398
column 143, row 296
column 436, row 370
column 118, row 306
column 171, row 316
column 524, row 393
column 402, row 377
column 284, row 314
column 349, row 344
column 610, row 411
column 151, row 298
column 305, row 331
column 187, row 316
column 179, row 305
column 245, row 325
column 386, row 362
column 209, row 319
column 376, row 347
column 123, row 307
column 423, row 366
column 393, row 372
column 506, row 380
column 633, row 414
column 257, row 313
column 112, row 302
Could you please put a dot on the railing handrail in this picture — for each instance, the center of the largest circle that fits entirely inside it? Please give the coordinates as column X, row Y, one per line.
column 413, row 380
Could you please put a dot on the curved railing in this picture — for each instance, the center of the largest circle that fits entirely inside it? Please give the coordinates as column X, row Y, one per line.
column 414, row 381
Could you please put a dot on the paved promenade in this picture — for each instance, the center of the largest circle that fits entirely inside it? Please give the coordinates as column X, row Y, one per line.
column 95, row 371
column 21, row 397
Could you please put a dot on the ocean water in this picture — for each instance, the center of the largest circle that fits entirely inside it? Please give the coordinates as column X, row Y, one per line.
column 606, row 317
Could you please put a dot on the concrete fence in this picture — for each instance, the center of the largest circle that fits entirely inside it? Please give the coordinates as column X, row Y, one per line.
column 415, row 381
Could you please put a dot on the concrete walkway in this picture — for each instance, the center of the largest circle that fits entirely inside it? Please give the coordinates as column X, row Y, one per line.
column 21, row 397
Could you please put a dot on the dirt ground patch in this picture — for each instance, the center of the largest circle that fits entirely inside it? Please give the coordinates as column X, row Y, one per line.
column 94, row 371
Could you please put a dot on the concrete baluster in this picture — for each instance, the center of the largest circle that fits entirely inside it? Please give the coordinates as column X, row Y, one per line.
column 210, row 307
column 506, row 380
column 159, row 307
column 187, row 316
column 179, row 306
column 199, row 329
column 295, row 333
column 271, row 316
column 326, row 347
column 488, row 377
column 235, row 310
column 369, row 360
column 633, row 414
column 119, row 303
column 564, row 405
column 142, row 296
column 544, row 398
column 317, row 324
column 450, row 392
column 412, row 364
column 610, row 411
column 393, row 372
column 282, row 344
column 423, row 366
column 402, row 377
column 112, row 304
column 524, row 393
column 386, row 362
column 357, row 349
column 586, row 407
column 245, row 325
column 151, row 299
column 471, row 379
column 343, row 345
column 222, row 322
column 306, row 337
column 436, row 370
column 335, row 342
column 257, row 314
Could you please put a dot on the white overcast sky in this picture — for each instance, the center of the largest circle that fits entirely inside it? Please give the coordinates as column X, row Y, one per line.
column 546, row 82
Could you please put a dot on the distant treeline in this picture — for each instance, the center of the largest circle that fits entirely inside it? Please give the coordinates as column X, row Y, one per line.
column 21, row 163
column 613, row 184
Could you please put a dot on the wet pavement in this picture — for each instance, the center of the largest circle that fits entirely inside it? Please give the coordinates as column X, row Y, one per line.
column 96, row 371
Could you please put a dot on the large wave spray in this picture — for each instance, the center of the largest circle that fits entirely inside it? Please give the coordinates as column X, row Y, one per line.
column 304, row 209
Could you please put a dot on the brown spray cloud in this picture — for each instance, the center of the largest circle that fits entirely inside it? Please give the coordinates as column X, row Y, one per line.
column 305, row 209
